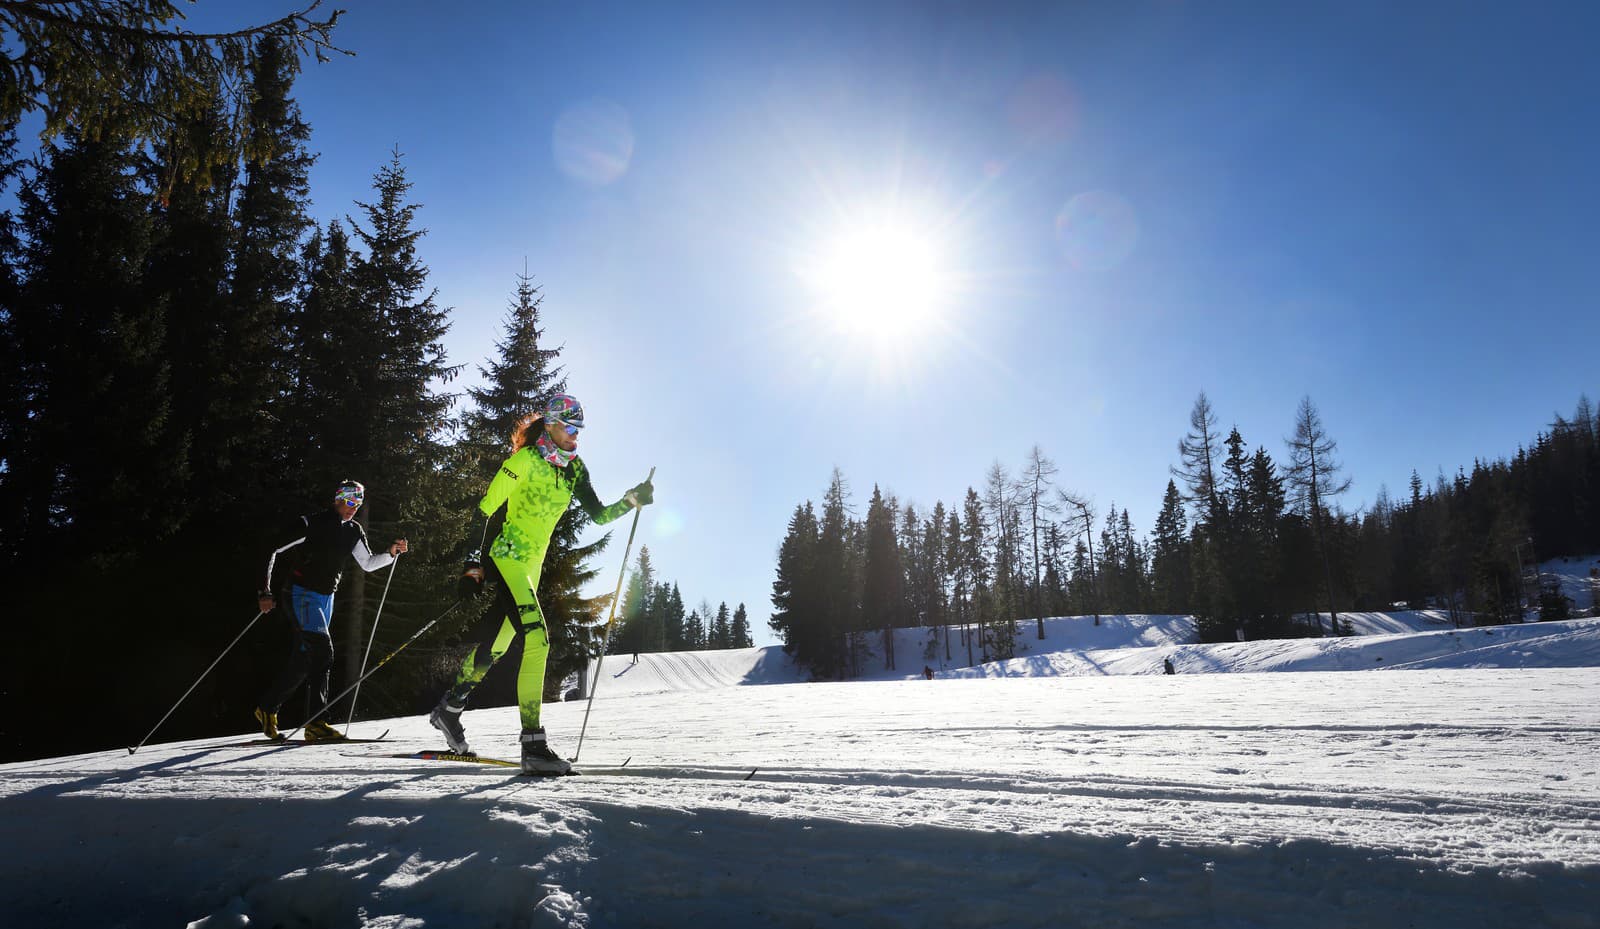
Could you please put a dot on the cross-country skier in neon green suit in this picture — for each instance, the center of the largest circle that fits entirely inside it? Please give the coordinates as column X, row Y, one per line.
column 533, row 489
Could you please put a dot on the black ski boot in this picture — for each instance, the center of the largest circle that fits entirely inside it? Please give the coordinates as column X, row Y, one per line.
column 446, row 717
column 537, row 758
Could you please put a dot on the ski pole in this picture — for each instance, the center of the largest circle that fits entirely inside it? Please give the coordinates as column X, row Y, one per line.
column 197, row 681
column 385, row 660
column 370, row 636
column 606, row 642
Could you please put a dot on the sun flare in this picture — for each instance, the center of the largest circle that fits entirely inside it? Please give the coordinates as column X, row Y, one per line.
column 880, row 280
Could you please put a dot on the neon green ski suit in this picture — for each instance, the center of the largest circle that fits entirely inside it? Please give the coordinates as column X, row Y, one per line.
column 534, row 494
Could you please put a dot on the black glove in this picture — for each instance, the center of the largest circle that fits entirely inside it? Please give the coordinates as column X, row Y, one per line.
column 471, row 582
column 641, row 495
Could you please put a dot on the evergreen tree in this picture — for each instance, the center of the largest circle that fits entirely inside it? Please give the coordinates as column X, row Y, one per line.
column 739, row 629
column 119, row 67
column 524, row 374
column 958, row 579
column 94, row 339
column 838, row 581
column 672, row 620
column 187, row 273
column 1170, row 562
column 974, row 569
column 795, row 596
column 270, row 223
column 399, row 442
column 13, row 378
column 694, row 632
column 883, row 594
column 633, row 632
column 721, row 635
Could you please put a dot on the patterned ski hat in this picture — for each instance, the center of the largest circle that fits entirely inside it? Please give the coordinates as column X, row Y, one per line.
column 565, row 410
column 350, row 490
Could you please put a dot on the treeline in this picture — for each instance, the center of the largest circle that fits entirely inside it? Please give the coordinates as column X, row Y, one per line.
column 653, row 619
column 1253, row 546
column 189, row 360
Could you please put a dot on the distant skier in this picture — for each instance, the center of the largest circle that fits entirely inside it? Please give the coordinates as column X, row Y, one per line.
column 533, row 489
column 318, row 545
column 927, row 672
column 1167, row 664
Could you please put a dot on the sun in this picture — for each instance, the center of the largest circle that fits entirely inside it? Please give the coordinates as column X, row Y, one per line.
column 881, row 279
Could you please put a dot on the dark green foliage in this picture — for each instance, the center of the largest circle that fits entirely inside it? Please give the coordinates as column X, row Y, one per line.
column 739, row 629
column 524, row 373
column 125, row 69
column 883, row 578
column 1554, row 605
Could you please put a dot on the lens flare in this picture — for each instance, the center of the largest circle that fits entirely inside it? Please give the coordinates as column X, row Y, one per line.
column 593, row 142
column 1097, row 230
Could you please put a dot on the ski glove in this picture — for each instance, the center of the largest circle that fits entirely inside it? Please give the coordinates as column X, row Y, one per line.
column 471, row 581
column 641, row 495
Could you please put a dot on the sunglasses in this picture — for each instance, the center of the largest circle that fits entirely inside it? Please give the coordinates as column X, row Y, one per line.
column 349, row 499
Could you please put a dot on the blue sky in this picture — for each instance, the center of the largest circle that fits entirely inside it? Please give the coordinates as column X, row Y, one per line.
column 1115, row 206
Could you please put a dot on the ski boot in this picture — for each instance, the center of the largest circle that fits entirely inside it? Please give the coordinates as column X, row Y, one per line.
column 537, row 758
column 269, row 724
column 446, row 717
column 320, row 731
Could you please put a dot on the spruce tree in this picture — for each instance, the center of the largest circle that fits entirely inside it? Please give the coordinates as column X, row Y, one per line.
column 14, row 376
column 796, row 598
column 187, row 273
column 1170, row 554
column 95, row 339
column 524, row 374
column 672, row 618
column 721, row 634
column 396, row 435
column 270, row 225
column 838, row 578
column 630, row 635
column 883, row 592
column 121, row 67
column 739, row 629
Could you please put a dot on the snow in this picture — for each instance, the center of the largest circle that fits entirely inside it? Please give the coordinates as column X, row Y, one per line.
column 1579, row 578
column 1075, row 785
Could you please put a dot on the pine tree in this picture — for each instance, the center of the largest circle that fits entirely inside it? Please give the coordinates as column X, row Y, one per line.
column 883, row 593
column 118, row 67
column 739, row 629
column 524, row 374
column 795, row 596
column 270, row 223
column 974, row 568
column 1170, row 555
column 672, row 620
column 632, row 634
column 14, row 382
column 838, row 578
column 935, row 580
column 721, row 635
column 95, row 340
column 399, row 442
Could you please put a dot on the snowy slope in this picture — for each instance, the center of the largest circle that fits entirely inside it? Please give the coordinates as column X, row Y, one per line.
column 1456, row 796
column 1579, row 579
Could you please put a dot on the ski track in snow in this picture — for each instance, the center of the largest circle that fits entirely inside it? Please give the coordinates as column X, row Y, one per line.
column 1442, row 797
